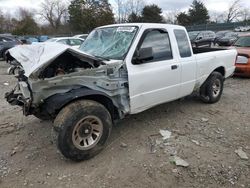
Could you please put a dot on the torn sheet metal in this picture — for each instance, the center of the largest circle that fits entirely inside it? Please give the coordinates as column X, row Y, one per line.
column 34, row 56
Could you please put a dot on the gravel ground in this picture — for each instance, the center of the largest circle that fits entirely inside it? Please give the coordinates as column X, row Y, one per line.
column 205, row 136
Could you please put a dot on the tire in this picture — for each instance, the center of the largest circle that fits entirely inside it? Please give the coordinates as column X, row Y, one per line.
column 4, row 56
column 10, row 70
column 210, row 44
column 212, row 89
column 13, row 70
column 83, row 128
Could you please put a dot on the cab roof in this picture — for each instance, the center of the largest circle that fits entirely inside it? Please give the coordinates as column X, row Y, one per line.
column 149, row 25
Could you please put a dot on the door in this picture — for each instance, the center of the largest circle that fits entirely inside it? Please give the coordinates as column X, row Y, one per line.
column 156, row 80
column 188, row 63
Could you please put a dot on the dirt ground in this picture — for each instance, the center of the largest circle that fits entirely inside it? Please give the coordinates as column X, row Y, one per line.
column 205, row 136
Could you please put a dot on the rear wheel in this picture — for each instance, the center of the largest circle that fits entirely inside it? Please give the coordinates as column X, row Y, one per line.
column 211, row 90
column 83, row 128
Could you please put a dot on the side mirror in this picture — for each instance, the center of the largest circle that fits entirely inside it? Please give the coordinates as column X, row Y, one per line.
column 144, row 54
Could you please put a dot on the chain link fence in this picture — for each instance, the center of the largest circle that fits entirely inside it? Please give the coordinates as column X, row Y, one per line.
column 217, row 26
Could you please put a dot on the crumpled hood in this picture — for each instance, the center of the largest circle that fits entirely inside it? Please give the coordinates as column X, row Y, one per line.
column 34, row 56
column 31, row 57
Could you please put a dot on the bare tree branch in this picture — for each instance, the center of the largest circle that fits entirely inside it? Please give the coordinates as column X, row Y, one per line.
column 127, row 7
column 234, row 11
column 53, row 12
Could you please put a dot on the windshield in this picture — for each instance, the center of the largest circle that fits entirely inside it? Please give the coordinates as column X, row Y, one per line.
column 221, row 33
column 243, row 42
column 193, row 35
column 32, row 39
column 110, row 42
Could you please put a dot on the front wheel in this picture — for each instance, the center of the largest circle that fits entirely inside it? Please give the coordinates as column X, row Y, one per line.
column 83, row 128
column 211, row 90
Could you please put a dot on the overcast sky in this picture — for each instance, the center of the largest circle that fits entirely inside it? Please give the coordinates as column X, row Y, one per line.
column 166, row 5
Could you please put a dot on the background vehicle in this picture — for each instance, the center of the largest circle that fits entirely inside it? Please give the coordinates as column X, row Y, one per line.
column 32, row 40
column 7, row 42
column 113, row 75
column 82, row 36
column 43, row 38
column 71, row 41
column 228, row 39
column 243, row 60
column 242, row 29
column 219, row 35
column 201, row 38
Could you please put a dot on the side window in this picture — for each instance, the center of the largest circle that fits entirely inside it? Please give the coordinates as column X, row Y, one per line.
column 63, row 41
column 183, row 43
column 6, row 39
column 159, row 41
column 75, row 42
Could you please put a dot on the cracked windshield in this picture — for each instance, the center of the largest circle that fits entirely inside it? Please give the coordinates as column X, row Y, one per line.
column 109, row 43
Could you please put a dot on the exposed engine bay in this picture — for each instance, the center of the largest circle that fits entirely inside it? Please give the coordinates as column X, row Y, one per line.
column 65, row 64
column 36, row 63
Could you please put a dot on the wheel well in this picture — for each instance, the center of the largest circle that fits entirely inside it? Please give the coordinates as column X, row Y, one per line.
column 105, row 101
column 220, row 70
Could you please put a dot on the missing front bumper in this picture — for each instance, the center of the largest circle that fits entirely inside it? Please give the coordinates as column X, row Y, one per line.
column 17, row 99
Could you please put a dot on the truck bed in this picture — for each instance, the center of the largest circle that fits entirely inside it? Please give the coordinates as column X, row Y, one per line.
column 205, row 50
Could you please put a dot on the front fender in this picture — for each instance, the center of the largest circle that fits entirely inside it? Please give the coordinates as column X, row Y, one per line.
column 55, row 103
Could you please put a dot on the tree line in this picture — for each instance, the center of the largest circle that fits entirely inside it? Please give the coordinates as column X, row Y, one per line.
column 81, row 16
column 198, row 14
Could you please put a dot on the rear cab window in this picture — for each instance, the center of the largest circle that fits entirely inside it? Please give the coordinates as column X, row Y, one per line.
column 183, row 43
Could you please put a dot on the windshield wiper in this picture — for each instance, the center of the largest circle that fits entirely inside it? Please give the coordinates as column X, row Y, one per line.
column 102, row 58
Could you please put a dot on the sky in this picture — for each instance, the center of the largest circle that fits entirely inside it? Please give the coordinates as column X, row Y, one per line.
column 166, row 5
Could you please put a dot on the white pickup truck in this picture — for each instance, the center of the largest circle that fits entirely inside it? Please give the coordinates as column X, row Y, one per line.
column 119, row 70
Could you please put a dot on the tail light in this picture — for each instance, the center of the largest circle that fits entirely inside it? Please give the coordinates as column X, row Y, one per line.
column 241, row 59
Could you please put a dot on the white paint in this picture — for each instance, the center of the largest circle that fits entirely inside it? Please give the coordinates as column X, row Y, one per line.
column 155, row 83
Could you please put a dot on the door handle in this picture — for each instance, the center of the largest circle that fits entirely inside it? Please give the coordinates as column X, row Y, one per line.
column 173, row 67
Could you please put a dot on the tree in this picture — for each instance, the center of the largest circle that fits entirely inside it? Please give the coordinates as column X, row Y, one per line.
column 170, row 17
column 245, row 14
column 152, row 14
column 216, row 17
column 85, row 15
column 26, row 25
column 234, row 11
column 103, row 14
column 133, row 17
column 183, row 19
column 129, row 9
column 53, row 11
column 2, row 20
column 198, row 13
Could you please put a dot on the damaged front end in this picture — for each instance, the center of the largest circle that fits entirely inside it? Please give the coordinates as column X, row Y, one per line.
column 21, row 95
column 53, row 78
